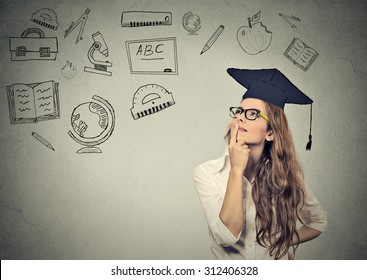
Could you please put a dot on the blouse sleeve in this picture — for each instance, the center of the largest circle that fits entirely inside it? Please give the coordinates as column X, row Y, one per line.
column 312, row 214
column 211, row 202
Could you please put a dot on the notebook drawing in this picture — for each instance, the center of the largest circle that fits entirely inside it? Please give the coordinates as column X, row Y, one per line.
column 301, row 54
column 30, row 103
column 142, row 18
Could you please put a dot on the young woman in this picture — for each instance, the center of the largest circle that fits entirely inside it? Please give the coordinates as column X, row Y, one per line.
column 254, row 197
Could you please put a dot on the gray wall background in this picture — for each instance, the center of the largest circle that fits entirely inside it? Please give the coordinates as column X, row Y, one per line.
column 137, row 199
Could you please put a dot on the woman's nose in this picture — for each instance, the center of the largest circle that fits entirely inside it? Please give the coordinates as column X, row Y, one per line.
column 241, row 118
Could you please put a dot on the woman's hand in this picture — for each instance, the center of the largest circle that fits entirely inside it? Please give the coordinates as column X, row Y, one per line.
column 238, row 151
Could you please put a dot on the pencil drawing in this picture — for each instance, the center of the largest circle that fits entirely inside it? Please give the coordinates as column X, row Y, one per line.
column 212, row 39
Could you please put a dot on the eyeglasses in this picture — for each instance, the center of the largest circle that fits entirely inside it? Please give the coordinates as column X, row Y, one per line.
column 250, row 114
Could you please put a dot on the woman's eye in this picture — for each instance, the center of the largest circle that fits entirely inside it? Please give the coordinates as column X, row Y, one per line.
column 253, row 113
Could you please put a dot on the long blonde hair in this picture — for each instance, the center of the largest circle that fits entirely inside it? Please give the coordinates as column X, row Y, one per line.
column 278, row 191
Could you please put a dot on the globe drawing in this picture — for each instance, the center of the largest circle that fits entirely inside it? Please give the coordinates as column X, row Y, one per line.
column 92, row 123
column 191, row 23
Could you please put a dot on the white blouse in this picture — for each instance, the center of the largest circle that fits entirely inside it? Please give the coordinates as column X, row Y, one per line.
column 211, row 179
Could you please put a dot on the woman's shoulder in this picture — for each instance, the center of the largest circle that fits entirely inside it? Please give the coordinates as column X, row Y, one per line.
column 211, row 166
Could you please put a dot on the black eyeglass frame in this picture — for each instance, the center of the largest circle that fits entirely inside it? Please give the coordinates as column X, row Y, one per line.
column 244, row 111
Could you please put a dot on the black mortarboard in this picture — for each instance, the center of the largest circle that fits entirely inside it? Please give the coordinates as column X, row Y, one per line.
column 270, row 85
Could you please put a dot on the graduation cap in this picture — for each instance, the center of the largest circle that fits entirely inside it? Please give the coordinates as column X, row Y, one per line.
column 270, row 85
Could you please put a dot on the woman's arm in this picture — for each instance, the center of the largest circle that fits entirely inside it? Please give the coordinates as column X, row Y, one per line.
column 305, row 234
column 232, row 212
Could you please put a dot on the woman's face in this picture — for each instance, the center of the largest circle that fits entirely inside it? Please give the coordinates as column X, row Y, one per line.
column 253, row 132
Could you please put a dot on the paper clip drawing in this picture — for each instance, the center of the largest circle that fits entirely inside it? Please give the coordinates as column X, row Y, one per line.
column 92, row 124
column 191, row 23
column 33, row 48
column 289, row 18
column 46, row 17
column 153, row 56
column 144, row 18
column 150, row 99
column 82, row 20
column 301, row 54
column 30, row 103
column 212, row 39
column 255, row 37
column 100, row 67
column 68, row 70
column 43, row 141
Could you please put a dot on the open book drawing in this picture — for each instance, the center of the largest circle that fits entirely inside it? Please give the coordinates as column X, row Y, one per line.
column 30, row 103
column 301, row 54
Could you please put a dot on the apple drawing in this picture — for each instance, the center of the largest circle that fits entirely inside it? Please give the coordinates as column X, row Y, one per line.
column 254, row 38
column 68, row 71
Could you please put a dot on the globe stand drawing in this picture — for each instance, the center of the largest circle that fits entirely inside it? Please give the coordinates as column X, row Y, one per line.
column 92, row 123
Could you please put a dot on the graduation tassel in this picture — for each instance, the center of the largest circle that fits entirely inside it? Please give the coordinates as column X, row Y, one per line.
column 309, row 144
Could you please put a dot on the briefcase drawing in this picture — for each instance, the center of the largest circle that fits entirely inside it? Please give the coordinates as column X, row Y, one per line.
column 30, row 47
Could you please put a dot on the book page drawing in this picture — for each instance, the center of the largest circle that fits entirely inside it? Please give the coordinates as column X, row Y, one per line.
column 191, row 23
column 145, row 18
column 46, row 17
column 92, row 124
column 150, row 99
column 301, row 54
column 28, row 47
column 100, row 67
column 153, row 56
column 82, row 21
column 30, row 103
column 255, row 37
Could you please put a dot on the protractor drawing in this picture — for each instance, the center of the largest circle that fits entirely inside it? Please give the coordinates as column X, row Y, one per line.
column 149, row 99
column 46, row 17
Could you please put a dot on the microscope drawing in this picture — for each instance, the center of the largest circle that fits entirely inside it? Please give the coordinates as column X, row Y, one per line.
column 100, row 67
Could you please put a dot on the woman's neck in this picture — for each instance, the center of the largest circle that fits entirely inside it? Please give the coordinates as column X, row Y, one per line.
column 253, row 161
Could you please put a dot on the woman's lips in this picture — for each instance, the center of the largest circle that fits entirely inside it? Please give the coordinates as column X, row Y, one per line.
column 242, row 129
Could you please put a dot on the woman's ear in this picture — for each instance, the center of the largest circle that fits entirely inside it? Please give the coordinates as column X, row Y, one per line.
column 269, row 136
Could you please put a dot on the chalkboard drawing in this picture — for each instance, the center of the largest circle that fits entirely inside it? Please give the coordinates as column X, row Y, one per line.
column 289, row 19
column 33, row 48
column 100, row 67
column 82, row 20
column 46, row 17
column 191, row 23
column 43, row 141
column 153, row 56
column 92, row 124
column 145, row 18
column 150, row 99
column 212, row 39
column 68, row 70
column 255, row 37
column 301, row 54
column 30, row 103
